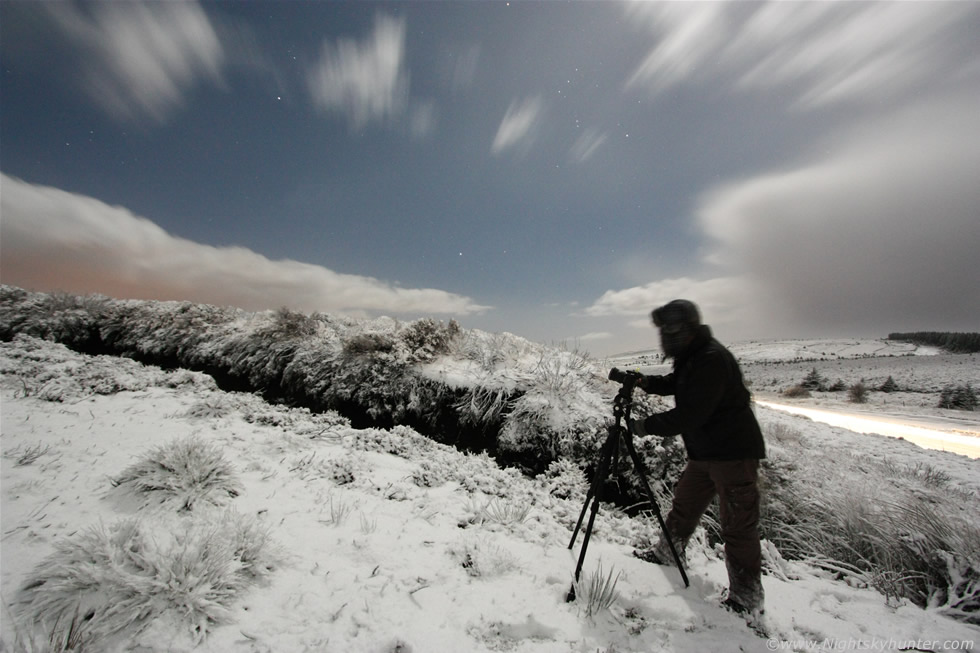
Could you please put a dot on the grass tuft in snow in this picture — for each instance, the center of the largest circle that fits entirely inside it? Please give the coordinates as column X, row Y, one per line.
column 596, row 591
column 121, row 577
column 184, row 473
column 23, row 456
column 890, row 526
column 506, row 511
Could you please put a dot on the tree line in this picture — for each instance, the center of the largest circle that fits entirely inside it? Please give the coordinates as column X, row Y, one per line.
column 957, row 343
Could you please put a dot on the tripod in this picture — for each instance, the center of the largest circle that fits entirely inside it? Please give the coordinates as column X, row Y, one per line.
column 608, row 457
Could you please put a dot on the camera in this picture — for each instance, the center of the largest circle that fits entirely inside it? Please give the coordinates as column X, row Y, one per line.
column 619, row 376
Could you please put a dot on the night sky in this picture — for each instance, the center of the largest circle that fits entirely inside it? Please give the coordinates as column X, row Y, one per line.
column 551, row 169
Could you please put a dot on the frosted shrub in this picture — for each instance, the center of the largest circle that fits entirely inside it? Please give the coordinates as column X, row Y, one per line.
column 118, row 578
column 565, row 480
column 858, row 393
column 813, row 381
column 182, row 473
column 290, row 324
column 796, row 392
column 368, row 343
column 483, row 407
column 426, row 338
column 428, row 475
column 961, row 397
column 484, row 560
column 889, row 385
column 215, row 407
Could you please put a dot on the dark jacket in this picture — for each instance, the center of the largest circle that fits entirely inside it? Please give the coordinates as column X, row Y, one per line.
column 712, row 405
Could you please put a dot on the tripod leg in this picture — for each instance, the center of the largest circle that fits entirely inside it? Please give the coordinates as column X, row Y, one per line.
column 641, row 472
column 585, row 507
column 602, row 470
column 610, row 451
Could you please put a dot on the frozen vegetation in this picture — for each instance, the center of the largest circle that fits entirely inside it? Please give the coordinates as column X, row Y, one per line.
column 179, row 476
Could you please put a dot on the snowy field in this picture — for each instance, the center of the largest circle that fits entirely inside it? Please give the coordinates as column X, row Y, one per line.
column 380, row 540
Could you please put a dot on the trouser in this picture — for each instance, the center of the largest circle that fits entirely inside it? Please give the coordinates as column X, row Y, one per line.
column 735, row 483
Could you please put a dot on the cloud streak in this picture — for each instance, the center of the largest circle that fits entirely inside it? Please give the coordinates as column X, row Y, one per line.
column 140, row 59
column 827, row 53
column 364, row 80
column 519, row 125
column 55, row 240
column 586, row 145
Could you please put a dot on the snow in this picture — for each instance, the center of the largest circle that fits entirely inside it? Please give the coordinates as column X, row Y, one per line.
column 388, row 542
column 961, row 441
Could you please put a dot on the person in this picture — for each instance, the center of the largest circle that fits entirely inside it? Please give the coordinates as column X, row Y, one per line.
column 724, row 445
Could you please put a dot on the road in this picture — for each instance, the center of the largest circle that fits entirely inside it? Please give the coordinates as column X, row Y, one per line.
column 925, row 431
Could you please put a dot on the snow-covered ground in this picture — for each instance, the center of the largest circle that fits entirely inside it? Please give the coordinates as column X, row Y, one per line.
column 961, row 436
column 385, row 541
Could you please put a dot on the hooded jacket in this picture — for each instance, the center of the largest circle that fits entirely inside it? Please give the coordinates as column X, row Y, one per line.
column 712, row 405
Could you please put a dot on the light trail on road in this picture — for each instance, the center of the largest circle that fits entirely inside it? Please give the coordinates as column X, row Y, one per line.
column 961, row 443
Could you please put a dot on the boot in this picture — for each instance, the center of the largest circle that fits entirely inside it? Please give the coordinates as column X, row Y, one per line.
column 659, row 554
column 745, row 593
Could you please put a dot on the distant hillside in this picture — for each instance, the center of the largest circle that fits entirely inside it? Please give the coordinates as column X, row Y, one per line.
column 827, row 349
column 957, row 343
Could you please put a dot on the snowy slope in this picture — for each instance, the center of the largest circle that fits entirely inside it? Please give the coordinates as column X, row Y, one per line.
column 384, row 541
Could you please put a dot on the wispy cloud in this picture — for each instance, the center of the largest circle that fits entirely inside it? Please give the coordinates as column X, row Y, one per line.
column 140, row 59
column 586, row 145
column 824, row 53
column 519, row 124
column 55, row 240
column 723, row 300
column 595, row 336
column 364, row 80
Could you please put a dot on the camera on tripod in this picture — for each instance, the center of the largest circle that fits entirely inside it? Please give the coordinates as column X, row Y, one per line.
column 628, row 379
column 608, row 455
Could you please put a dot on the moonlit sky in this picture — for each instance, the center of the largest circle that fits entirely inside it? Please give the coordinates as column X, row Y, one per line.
column 550, row 169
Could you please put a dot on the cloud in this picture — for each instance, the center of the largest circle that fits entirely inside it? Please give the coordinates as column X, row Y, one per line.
column 880, row 232
column 586, row 145
column 826, row 53
column 519, row 124
column 364, row 80
column 595, row 336
column 55, row 240
column 723, row 300
column 140, row 59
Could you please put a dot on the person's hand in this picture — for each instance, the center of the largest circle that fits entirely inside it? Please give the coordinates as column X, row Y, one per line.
column 636, row 427
column 619, row 376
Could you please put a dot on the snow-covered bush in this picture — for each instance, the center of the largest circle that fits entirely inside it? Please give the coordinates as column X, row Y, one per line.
column 858, row 393
column 796, row 392
column 960, row 397
column 481, row 559
column 426, row 338
column 182, row 473
column 889, row 385
column 119, row 578
column 565, row 480
column 813, row 381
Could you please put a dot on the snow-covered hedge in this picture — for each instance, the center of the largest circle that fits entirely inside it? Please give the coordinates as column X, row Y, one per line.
column 526, row 404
